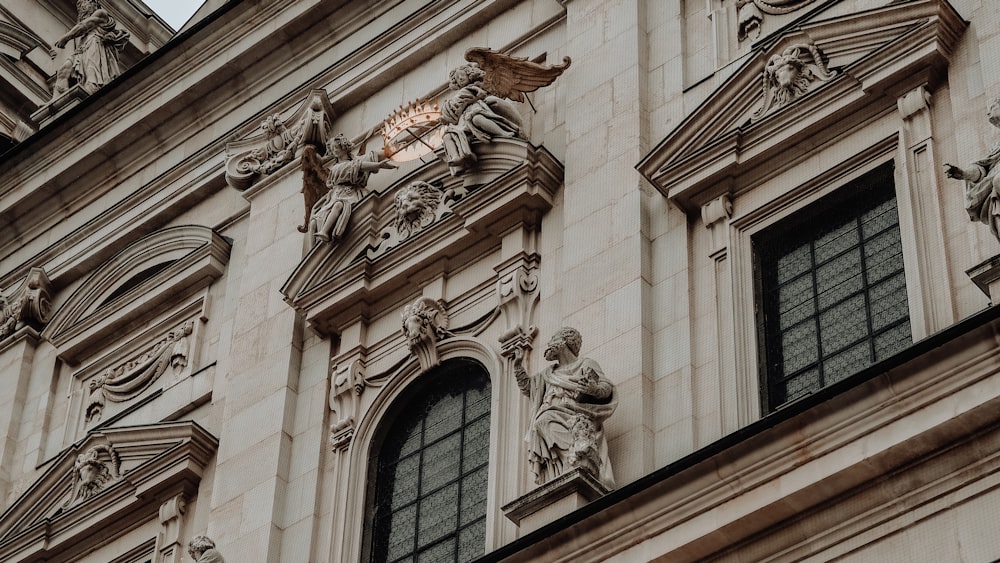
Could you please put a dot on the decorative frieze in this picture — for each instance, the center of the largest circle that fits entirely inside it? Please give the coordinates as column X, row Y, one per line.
column 30, row 304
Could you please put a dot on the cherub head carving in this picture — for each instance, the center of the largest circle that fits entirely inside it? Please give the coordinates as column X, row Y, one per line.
column 465, row 74
column 789, row 74
column 416, row 205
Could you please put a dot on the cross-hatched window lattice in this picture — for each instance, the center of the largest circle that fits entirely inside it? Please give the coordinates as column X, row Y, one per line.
column 833, row 292
column 431, row 471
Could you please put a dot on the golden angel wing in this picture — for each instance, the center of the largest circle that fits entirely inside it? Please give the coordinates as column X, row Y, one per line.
column 314, row 176
column 510, row 77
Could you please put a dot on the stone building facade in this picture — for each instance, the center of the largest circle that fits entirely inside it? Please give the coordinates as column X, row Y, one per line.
column 284, row 278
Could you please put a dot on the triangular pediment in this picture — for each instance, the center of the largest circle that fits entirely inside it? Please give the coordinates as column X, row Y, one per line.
column 382, row 253
column 870, row 59
column 93, row 483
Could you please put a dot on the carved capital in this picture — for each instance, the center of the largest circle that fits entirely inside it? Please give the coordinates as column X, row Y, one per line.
column 250, row 159
column 425, row 321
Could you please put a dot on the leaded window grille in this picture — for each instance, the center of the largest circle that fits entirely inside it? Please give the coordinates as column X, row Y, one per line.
column 430, row 470
column 832, row 289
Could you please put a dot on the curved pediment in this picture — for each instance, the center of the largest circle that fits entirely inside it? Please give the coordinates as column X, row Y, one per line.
column 514, row 182
column 870, row 58
column 94, row 482
column 162, row 266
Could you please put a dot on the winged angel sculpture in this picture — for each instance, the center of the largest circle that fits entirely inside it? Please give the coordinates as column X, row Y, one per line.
column 331, row 194
column 479, row 109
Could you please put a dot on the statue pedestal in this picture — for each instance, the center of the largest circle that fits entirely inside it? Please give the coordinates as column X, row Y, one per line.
column 58, row 106
column 554, row 499
column 986, row 276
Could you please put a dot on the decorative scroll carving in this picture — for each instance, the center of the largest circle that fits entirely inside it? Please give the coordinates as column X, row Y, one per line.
column 750, row 14
column 477, row 109
column 571, row 399
column 93, row 471
column 425, row 321
column 982, row 181
column 789, row 74
column 346, row 386
column 331, row 194
column 127, row 380
column 94, row 60
column 279, row 142
column 30, row 304
column 202, row 550
column 168, row 540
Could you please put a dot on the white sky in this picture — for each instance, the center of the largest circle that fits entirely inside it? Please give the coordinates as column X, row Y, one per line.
column 174, row 12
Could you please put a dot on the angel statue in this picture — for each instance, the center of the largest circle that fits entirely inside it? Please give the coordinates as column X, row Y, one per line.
column 478, row 109
column 330, row 194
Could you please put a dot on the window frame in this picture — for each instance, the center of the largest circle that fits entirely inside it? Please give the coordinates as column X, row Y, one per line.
column 399, row 404
column 840, row 203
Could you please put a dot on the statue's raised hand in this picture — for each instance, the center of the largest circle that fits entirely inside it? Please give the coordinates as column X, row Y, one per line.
column 953, row 171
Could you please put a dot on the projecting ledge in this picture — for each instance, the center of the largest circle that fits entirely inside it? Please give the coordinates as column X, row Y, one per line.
column 986, row 276
column 554, row 499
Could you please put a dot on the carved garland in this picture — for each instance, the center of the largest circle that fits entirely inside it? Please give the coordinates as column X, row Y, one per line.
column 127, row 380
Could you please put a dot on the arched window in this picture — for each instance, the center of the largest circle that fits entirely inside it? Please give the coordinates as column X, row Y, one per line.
column 429, row 469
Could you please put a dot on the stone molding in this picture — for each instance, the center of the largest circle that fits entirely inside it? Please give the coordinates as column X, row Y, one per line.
column 715, row 142
column 368, row 266
column 189, row 259
column 156, row 461
column 576, row 482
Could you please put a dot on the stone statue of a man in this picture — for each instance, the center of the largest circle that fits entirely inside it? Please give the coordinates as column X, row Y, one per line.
column 982, row 181
column 202, row 550
column 94, row 61
column 571, row 400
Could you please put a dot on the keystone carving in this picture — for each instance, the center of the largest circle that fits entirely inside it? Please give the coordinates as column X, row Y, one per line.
column 30, row 304
column 424, row 323
column 789, row 74
column 93, row 471
column 127, row 380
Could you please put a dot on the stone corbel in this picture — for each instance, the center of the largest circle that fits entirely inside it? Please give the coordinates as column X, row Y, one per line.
column 715, row 214
column 169, row 542
column 347, row 383
column 30, row 304
column 425, row 322
column 517, row 291
column 250, row 159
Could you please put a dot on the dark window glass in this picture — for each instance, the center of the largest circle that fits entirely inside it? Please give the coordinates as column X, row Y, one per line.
column 430, row 471
column 832, row 290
